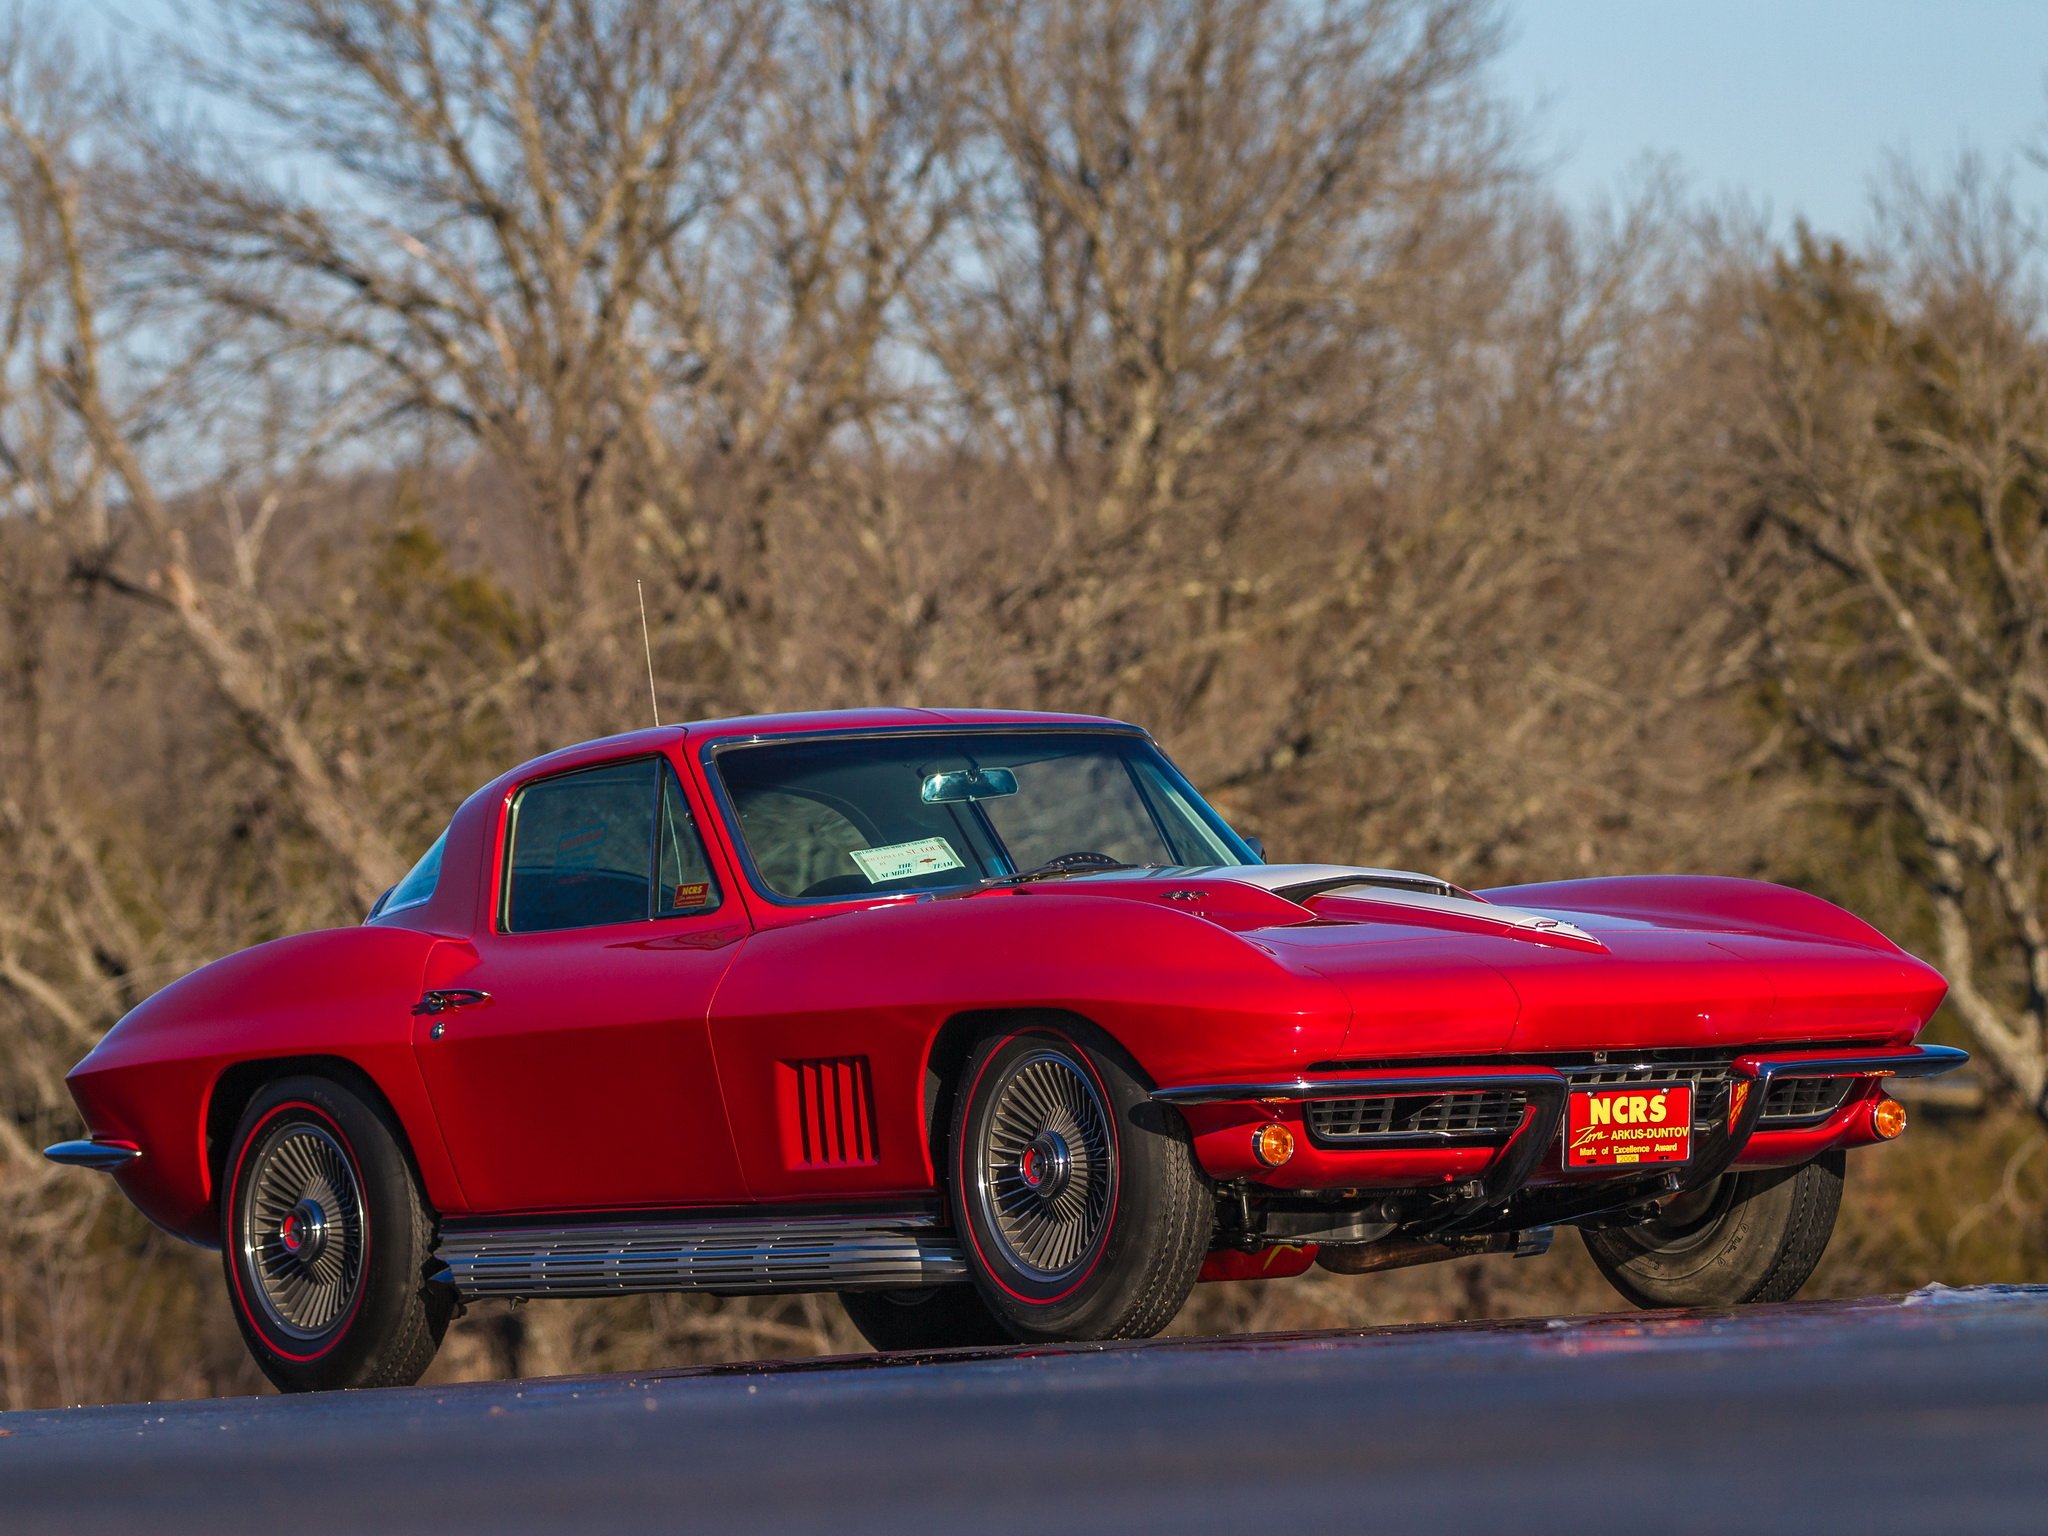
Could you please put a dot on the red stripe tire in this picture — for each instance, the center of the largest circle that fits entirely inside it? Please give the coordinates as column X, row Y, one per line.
column 325, row 1242
column 1079, row 1203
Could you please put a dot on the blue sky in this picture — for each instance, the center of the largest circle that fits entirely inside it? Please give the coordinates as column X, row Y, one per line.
column 1790, row 103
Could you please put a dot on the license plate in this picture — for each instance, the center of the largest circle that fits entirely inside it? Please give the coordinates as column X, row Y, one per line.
column 1606, row 1127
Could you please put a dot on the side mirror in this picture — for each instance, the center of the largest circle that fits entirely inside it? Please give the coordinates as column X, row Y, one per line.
column 1258, row 848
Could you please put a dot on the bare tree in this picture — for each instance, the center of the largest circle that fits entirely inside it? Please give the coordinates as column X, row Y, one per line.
column 1889, row 440
column 1197, row 227
column 102, row 391
column 619, row 253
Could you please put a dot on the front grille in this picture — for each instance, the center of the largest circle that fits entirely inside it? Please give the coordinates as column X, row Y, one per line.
column 1481, row 1116
column 1708, row 1073
column 1800, row 1100
column 1478, row 1117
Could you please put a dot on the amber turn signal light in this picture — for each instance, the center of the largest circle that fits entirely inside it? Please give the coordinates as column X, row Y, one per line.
column 1273, row 1145
column 1888, row 1119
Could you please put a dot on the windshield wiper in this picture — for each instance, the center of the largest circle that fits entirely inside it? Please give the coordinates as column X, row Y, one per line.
column 1055, row 869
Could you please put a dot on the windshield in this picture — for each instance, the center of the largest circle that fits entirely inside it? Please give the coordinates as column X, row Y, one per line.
column 850, row 816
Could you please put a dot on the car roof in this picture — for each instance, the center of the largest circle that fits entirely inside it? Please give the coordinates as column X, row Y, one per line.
column 453, row 907
column 799, row 722
column 881, row 719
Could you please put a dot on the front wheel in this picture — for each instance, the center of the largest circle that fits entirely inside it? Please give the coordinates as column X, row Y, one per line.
column 326, row 1243
column 1744, row 1237
column 1082, row 1209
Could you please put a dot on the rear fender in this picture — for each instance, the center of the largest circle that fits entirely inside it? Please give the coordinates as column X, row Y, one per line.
column 343, row 993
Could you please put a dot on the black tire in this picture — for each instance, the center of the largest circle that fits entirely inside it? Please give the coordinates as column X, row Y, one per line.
column 935, row 1317
column 326, row 1242
column 1745, row 1237
column 1080, row 1205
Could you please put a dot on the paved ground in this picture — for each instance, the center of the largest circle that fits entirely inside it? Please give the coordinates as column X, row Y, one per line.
column 1925, row 1415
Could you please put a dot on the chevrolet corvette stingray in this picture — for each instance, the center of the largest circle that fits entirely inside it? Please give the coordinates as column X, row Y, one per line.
column 990, row 1024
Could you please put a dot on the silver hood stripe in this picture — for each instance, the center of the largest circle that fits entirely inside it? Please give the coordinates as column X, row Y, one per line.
column 1397, row 888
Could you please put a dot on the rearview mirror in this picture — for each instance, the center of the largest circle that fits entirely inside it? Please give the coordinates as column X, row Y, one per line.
column 958, row 784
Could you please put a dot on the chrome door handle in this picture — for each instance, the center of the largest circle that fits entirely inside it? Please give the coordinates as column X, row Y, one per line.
column 447, row 999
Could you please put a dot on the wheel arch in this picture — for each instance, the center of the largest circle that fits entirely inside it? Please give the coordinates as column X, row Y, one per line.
column 237, row 1086
column 954, row 1043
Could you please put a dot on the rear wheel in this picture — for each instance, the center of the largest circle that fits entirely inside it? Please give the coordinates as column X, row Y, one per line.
column 326, row 1242
column 935, row 1317
column 1079, row 1201
column 1745, row 1237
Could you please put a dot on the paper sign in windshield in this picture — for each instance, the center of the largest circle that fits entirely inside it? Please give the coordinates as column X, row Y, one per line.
column 899, row 861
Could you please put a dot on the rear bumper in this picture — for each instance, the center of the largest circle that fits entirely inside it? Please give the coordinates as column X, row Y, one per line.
column 1475, row 1183
column 100, row 1155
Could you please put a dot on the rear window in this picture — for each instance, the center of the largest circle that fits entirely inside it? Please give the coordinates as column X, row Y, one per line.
column 419, row 882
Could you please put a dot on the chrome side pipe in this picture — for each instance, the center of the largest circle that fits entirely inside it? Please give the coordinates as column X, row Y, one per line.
column 732, row 1257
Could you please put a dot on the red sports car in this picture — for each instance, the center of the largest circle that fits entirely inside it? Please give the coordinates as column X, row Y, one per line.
column 989, row 1023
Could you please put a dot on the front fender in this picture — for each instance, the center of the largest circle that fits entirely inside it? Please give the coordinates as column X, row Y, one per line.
column 1187, row 999
column 1700, row 903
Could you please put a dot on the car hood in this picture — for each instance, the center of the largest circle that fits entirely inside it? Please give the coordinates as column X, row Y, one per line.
column 1433, row 970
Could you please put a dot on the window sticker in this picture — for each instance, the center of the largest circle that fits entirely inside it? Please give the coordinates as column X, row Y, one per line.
column 899, row 861
column 692, row 895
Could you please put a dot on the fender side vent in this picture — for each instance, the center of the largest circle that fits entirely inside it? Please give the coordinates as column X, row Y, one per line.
column 828, row 1112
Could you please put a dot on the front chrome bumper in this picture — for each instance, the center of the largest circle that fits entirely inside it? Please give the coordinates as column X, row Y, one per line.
column 1480, row 1202
column 101, row 1156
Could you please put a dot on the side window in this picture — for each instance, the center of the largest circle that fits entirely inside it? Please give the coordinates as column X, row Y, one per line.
column 683, row 881
column 581, row 848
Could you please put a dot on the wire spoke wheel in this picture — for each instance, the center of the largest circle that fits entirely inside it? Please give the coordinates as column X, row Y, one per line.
column 302, row 1229
column 1046, row 1169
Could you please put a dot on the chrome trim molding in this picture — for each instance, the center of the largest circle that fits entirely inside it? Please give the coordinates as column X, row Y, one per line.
column 1542, row 1081
column 100, row 1156
column 1762, row 1066
column 1759, row 1067
column 1909, row 1061
column 731, row 1256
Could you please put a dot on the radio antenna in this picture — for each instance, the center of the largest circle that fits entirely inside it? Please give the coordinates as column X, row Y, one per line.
column 647, row 644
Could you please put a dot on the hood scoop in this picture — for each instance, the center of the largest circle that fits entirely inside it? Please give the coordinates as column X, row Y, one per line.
column 1422, row 896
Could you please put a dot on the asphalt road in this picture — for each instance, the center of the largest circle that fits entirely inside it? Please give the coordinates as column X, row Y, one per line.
column 1925, row 1415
